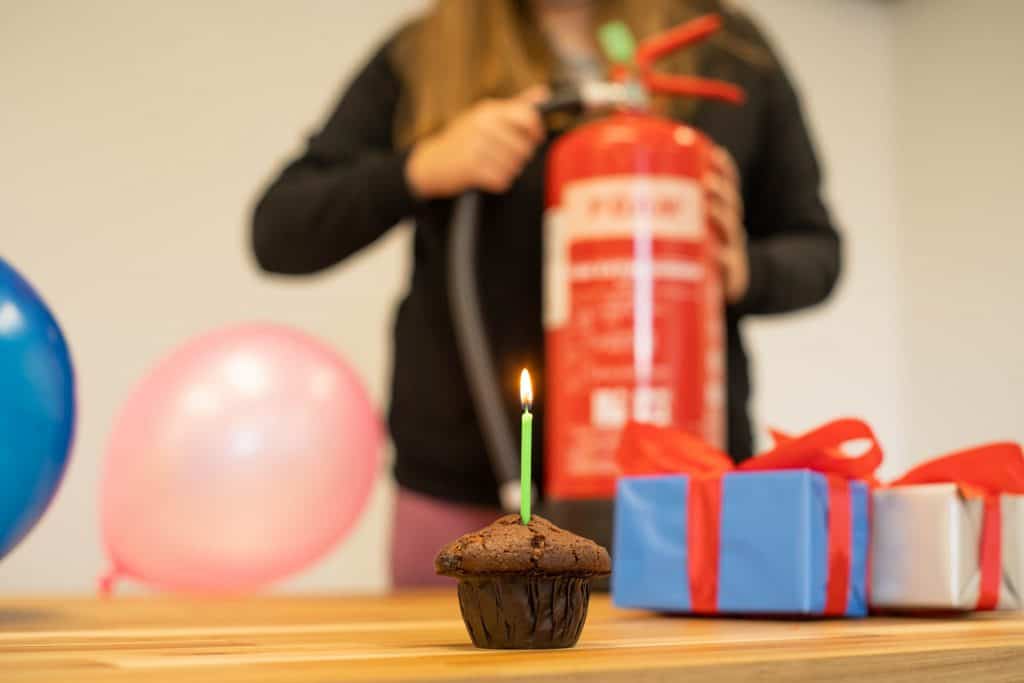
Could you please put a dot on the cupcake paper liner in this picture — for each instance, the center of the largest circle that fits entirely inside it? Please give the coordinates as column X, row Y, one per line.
column 524, row 611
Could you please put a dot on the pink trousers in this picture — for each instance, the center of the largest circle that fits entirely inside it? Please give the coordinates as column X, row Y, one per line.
column 421, row 526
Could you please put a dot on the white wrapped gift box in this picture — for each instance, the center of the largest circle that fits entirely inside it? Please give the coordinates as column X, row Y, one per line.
column 926, row 549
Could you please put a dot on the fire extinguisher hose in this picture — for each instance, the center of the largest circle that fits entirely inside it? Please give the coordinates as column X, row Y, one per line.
column 475, row 349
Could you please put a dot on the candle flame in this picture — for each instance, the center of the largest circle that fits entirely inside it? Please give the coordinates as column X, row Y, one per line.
column 525, row 390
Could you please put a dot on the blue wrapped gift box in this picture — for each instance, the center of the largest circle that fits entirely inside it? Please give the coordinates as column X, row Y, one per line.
column 773, row 544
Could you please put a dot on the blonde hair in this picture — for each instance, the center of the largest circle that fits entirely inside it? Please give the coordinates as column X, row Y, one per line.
column 462, row 51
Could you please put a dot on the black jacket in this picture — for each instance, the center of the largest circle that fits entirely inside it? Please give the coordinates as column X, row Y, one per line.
column 348, row 189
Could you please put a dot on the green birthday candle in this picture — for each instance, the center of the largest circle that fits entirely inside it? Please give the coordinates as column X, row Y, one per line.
column 526, row 447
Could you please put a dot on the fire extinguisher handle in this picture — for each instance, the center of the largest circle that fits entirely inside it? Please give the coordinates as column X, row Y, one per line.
column 663, row 44
column 693, row 31
column 565, row 99
column 690, row 86
column 594, row 95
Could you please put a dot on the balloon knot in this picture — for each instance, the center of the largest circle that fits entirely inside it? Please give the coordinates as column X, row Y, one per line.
column 107, row 582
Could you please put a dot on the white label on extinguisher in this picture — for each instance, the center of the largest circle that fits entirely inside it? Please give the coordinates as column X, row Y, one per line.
column 556, row 268
column 607, row 207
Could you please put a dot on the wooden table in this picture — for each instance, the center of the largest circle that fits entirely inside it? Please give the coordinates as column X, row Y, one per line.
column 420, row 637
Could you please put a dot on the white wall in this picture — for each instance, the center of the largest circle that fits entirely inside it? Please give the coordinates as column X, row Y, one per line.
column 960, row 128
column 847, row 358
column 135, row 135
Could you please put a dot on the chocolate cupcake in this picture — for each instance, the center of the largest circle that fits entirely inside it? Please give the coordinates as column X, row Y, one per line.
column 523, row 586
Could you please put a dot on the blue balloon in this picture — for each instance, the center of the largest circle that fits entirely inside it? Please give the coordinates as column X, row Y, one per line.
column 37, row 407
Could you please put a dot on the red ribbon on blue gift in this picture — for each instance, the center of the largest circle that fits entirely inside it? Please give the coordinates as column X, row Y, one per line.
column 984, row 472
column 650, row 450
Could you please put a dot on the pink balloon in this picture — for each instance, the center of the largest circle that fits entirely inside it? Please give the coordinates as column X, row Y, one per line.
column 245, row 455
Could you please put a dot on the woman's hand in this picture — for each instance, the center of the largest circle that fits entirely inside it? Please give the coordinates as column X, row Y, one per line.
column 485, row 147
column 725, row 208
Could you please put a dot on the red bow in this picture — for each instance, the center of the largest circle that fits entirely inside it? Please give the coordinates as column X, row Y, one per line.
column 983, row 472
column 646, row 450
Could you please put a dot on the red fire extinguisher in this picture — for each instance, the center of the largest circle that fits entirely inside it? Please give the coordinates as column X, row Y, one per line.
column 632, row 295
column 633, row 300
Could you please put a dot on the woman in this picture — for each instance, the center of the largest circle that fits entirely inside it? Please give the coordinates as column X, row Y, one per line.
column 449, row 104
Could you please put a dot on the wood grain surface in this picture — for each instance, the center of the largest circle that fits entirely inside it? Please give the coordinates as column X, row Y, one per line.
column 420, row 637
